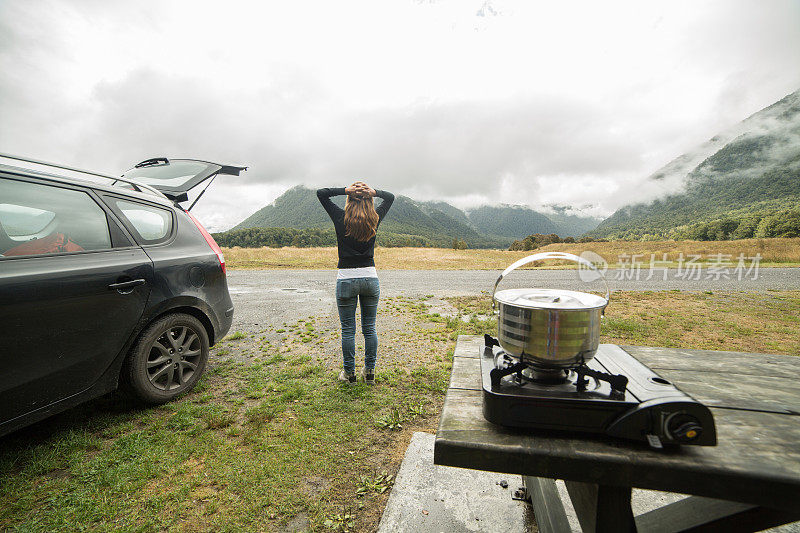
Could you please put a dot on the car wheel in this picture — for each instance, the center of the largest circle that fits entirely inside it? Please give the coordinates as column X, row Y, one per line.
column 167, row 360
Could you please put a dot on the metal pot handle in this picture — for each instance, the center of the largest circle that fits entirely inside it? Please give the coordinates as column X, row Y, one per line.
column 550, row 255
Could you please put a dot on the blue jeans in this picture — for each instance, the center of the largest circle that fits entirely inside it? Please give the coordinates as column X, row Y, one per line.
column 348, row 292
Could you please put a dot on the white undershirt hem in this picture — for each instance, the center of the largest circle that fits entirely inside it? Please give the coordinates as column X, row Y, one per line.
column 360, row 272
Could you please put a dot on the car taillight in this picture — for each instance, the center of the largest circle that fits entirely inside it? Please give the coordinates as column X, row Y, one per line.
column 210, row 240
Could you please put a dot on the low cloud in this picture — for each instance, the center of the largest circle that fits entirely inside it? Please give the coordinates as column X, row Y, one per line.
column 492, row 102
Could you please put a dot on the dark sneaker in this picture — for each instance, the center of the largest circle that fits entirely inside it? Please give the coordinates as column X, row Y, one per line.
column 369, row 376
column 350, row 379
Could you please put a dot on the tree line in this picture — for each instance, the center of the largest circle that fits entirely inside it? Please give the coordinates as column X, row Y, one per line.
column 537, row 240
column 276, row 237
column 307, row 238
column 780, row 224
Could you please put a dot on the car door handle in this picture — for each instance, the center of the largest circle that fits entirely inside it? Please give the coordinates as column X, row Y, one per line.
column 126, row 285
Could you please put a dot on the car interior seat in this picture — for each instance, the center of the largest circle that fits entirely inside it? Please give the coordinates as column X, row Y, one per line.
column 6, row 242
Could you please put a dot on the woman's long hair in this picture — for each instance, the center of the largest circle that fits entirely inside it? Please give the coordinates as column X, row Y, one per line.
column 360, row 218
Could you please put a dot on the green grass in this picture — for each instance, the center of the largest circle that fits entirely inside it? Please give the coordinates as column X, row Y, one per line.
column 235, row 453
column 379, row 483
column 760, row 322
column 206, row 459
column 230, row 454
column 737, row 321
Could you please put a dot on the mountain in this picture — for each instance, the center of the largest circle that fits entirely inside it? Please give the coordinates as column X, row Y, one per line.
column 299, row 208
column 510, row 221
column 417, row 223
column 447, row 209
column 740, row 177
column 409, row 218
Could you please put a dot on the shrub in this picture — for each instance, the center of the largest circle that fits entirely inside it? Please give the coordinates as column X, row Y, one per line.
column 782, row 224
column 531, row 242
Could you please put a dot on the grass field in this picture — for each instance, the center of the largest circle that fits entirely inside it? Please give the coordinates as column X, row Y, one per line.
column 764, row 322
column 269, row 441
column 777, row 252
column 773, row 252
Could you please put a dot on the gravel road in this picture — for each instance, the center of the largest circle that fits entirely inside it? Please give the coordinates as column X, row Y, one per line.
column 269, row 297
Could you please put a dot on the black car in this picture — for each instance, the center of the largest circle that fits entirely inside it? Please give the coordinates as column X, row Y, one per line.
column 104, row 282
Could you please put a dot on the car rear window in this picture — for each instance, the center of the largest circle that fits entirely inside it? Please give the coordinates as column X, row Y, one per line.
column 153, row 224
column 174, row 174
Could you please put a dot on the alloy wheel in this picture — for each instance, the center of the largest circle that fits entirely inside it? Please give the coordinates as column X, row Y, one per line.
column 173, row 358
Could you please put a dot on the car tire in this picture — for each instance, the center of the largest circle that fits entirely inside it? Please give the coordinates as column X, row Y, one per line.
column 167, row 360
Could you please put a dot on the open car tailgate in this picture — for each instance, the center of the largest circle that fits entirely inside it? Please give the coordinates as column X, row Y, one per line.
column 175, row 177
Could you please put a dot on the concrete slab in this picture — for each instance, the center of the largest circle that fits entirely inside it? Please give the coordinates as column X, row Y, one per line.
column 431, row 499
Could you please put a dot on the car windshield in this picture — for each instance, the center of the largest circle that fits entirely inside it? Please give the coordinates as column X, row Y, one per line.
column 173, row 174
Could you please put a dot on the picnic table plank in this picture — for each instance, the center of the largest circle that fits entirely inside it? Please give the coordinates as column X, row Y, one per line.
column 741, row 363
column 756, row 382
column 756, row 461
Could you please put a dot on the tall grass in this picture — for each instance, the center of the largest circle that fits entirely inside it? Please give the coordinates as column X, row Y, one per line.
column 779, row 252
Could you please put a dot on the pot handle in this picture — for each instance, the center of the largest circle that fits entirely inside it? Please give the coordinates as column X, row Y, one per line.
column 550, row 255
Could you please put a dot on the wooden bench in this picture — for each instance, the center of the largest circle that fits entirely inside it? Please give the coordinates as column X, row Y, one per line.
column 748, row 482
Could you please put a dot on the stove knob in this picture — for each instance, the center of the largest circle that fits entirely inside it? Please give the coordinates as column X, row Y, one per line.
column 685, row 429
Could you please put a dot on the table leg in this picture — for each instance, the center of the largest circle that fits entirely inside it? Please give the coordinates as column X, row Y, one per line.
column 547, row 506
column 708, row 515
column 602, row 508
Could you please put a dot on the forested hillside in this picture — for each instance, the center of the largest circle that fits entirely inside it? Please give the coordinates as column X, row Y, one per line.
column 297, row 208
column 749, row 186
column 510, row 221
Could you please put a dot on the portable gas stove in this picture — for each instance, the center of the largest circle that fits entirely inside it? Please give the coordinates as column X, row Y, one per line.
column 611, row 394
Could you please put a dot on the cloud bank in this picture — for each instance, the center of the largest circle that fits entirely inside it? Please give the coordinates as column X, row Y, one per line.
column 471, row 102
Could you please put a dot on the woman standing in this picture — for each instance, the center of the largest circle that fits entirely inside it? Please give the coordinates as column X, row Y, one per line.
column 357, row 278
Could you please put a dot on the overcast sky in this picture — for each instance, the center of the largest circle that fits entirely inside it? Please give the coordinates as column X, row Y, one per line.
column 467, row 101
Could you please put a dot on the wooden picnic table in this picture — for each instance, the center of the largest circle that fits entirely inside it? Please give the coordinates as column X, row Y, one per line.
column 748, row 482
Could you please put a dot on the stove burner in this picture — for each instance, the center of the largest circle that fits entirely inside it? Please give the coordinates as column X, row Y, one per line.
column 506, row 365
column 618, row 382
column 549, row 376
column 612, row 394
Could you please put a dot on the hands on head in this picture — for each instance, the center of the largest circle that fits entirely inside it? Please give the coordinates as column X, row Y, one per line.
column 359, row 190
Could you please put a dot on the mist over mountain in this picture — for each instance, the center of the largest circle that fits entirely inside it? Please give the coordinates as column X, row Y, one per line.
column 570, row 224
column 430, row 223
column 748, row 172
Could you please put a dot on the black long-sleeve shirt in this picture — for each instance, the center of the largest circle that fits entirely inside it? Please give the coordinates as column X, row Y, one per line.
column 352, row 253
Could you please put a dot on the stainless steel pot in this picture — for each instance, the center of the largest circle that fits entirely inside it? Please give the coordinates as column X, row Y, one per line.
column 549, row 328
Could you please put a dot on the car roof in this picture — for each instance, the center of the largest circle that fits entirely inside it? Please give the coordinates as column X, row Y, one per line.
column 151, row 195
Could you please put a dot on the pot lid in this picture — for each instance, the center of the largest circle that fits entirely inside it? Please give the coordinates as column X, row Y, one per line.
column 550, row 299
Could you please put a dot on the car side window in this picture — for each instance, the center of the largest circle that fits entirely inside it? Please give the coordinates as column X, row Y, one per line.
column 153, row 224
column 37, row 219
